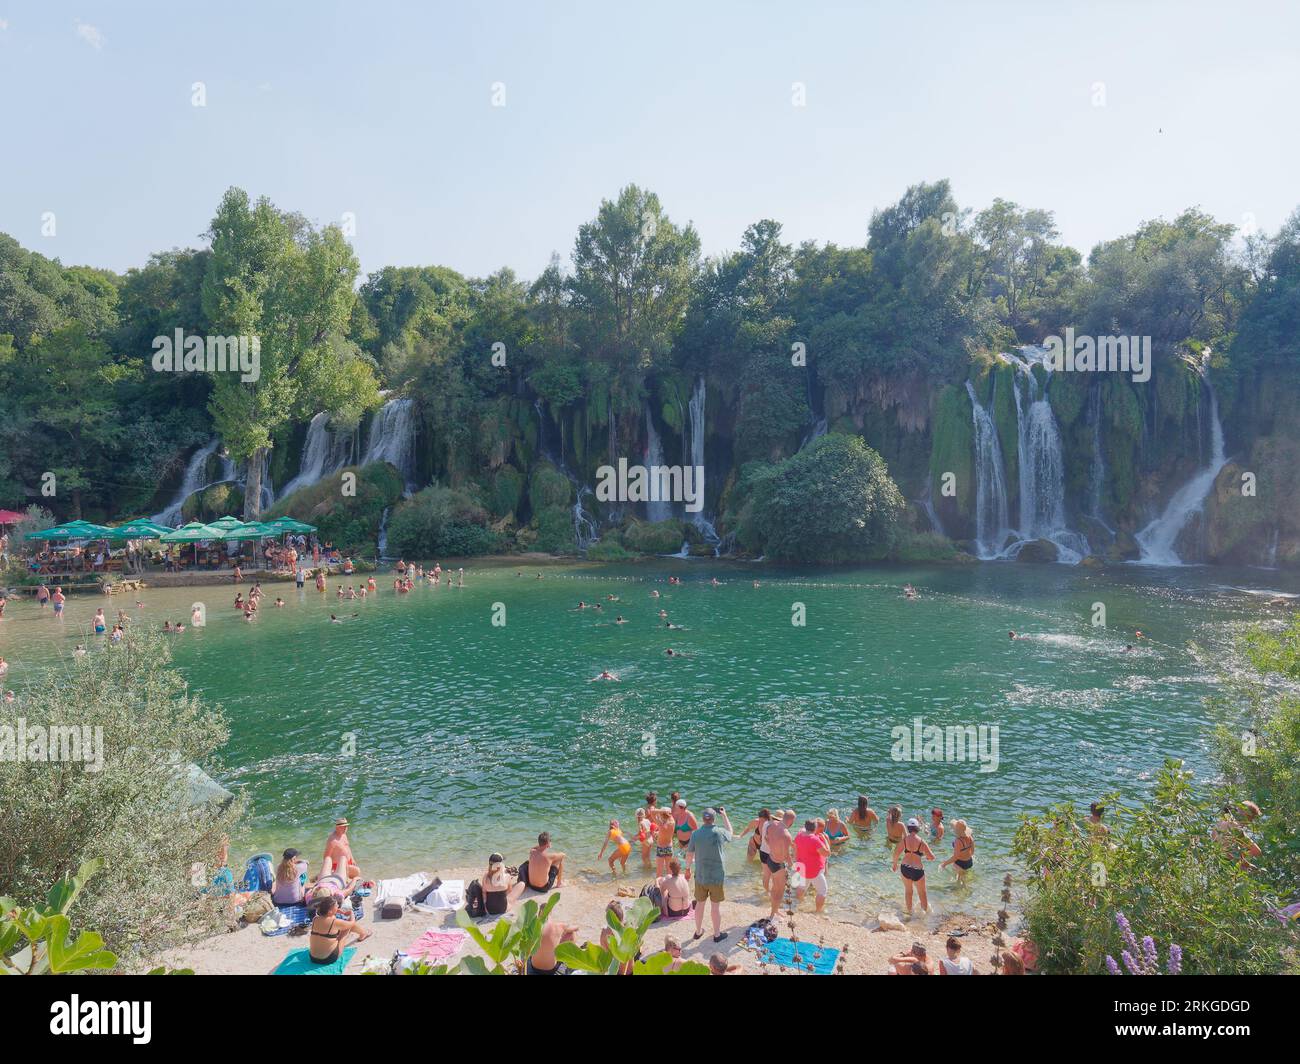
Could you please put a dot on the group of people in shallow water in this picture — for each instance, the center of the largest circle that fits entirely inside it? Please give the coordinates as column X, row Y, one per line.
column 779, row 849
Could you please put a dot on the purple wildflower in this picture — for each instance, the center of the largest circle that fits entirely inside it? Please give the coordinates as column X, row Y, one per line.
column 1130, row 963
column 1111, row 966
column 1149, row 955
column 1175, row 959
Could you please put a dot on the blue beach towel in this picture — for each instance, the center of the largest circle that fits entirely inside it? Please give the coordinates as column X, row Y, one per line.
column 297, row 914
column 299, row 962
column 781, row 951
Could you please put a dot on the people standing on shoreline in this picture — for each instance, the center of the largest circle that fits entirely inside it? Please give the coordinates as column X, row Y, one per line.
column 706, row 846
column 963, row 850
column 779, row 843
column 663, row 840
column 622, row 848
column 811, row 850
column 912, row 850
column 685, row 825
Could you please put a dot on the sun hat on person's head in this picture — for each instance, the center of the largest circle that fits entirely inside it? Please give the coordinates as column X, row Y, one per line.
column 341, row 822
column 914, row 823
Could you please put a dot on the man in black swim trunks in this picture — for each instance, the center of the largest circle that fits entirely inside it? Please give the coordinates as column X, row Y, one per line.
column 543, row 960
column 544, row 868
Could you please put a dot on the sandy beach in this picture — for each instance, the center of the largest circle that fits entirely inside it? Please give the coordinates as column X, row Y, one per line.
column 247, row 951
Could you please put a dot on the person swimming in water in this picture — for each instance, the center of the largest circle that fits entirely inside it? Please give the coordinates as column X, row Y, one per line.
column 620, row 619
column 605, row 674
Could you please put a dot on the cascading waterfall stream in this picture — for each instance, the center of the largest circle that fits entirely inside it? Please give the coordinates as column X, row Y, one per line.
column 1158, row 541
column 696, row 410
column 194, row 479
column 990, row 482
column 323, row 452
column 654, row 456
column 586, row 529
column 392, row 439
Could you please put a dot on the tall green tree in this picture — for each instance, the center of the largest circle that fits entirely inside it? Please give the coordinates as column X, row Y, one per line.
column 273, row 276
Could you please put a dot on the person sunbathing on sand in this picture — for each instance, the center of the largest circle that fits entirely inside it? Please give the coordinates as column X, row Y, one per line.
column 674, row 891
column 718, row 966
column 543, row 960
column 914, row 962
column 544, row 868
column 330, row 933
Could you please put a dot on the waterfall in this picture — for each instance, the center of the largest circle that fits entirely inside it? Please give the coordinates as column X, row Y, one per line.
column 1097, row 474
column 815, row 432
column 323, row 452
column 696, row 409
column 926, row 502
column 990, row 482
column 584, row 525
column 194, row 480
column 586, row 528
column 654, row 456
column 392, row 439
column 381, row 541
column 1158, row 541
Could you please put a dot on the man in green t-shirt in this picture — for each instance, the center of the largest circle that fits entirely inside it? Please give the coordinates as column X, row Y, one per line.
column 706, row 844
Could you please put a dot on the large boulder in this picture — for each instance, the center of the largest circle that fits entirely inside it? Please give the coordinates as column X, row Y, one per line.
column 1038, row 550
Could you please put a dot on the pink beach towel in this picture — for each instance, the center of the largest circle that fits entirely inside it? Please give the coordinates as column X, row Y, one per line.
column 435, row 946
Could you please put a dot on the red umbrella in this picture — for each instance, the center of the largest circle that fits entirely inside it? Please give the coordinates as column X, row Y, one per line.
column 9, row 517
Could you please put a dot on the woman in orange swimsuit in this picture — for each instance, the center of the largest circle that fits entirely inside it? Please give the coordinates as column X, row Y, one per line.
column 622, row 848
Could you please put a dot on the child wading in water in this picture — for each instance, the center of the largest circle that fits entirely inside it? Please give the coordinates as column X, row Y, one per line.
column 622, row 848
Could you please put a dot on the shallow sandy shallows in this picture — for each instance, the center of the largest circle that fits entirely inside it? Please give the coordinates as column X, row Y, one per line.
column 582, row 901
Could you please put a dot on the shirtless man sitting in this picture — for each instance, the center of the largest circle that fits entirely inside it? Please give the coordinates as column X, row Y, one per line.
column 544, row 868
column 778, row 848
column 338, row 853
column 543, row 961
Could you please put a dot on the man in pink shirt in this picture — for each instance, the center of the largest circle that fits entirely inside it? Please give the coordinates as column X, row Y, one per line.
column 811, row 851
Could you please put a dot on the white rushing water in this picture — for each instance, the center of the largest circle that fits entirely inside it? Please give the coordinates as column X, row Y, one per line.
column 1159, row 540
column 1041, row 466
column 392, row 439
column 586, row 528
column 990, row 482
column 195, row 479
column 696, row 410
column 654, row 456
column 323, row 452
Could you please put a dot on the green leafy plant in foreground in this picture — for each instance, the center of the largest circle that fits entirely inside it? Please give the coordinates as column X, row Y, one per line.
column 624, row 944
column 511, row 941
column 50, row 946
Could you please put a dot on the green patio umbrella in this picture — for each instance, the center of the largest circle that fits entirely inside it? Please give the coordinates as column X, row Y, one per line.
column 191, row 533
column 139, row 529
column 226, row 523
column 71, row 530
column 290, row 524
column 248, row 530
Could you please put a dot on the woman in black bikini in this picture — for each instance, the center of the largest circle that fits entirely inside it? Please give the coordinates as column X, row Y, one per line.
column 963, row 850
column 912, row 849
column 329, row 934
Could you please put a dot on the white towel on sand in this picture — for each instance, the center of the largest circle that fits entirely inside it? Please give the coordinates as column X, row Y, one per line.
column 399, row 889
column 451, row 895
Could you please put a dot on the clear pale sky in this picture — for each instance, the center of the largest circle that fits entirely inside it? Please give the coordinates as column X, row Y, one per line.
column 385, row 110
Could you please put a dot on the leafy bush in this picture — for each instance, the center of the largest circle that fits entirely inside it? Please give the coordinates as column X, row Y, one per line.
column 440, row 522
column 611, row 551
column 45, row 931
column 350, row 522
column 914, row 547
column 1162, row 867
column 549, row 488
column 1261, row 762
column 130, row 805
column 555, row 529
column 654, row 537
column 834, row 501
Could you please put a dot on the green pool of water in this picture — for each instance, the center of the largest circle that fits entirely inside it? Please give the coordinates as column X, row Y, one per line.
column 443, row 736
